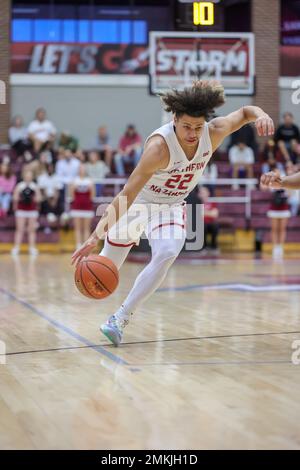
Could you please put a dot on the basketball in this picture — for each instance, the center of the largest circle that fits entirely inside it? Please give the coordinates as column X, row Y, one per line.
column 96, row 277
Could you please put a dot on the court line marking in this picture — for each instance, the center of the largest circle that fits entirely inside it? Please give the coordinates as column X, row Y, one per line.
column 214, row 337
column 65, row 329
column 214, row 363
column 234, row 287
column 65, row 348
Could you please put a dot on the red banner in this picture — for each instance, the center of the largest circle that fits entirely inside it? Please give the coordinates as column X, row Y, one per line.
column 105, row 59
column 79, row 58
column 290, row 61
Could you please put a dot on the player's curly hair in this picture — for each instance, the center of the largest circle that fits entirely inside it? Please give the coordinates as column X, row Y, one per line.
column 199, row 100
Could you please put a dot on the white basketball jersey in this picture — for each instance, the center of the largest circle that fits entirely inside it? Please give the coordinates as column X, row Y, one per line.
column 172, row 184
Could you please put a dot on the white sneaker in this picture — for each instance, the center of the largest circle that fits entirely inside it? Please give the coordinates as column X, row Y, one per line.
column 277, row 253
column 33, row 251
column 15, row 251
column 113, row 329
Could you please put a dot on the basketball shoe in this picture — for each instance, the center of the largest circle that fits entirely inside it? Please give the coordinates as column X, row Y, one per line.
column 113, row 329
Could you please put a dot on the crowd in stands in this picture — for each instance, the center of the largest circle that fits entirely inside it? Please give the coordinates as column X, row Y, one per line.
column 45, row 165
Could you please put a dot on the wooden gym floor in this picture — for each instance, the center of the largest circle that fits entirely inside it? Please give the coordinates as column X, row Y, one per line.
column 205, row 364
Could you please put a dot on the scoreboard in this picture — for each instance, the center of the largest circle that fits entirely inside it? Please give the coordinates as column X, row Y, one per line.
column 201, row 16
column 203, row 13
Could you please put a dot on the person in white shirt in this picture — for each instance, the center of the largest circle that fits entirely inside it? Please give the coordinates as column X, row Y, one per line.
column 96, row 169
column 153, row 199
column 241, row 157
column 49, row 184
column 41, row 131
column 67, row 168
column 18, row 136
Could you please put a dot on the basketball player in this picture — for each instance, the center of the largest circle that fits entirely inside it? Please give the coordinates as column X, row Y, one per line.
column 174, row 158
column 273, row 180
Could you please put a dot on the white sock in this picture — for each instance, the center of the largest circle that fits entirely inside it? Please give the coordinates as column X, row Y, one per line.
column 164, row 253
column 122, row 314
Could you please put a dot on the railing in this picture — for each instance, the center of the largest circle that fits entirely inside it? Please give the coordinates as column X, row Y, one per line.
column 247, row 182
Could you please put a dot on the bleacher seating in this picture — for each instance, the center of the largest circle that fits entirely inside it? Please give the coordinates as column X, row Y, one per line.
column 232, row 216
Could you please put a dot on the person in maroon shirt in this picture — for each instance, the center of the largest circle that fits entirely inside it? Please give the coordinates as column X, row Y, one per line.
column 129, row 150
column 211, row 214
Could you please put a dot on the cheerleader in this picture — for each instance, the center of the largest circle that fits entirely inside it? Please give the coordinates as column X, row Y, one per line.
column 26, row 198
column 279, row 213
column 82, row 192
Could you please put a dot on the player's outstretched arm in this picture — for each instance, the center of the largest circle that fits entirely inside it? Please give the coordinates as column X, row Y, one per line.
column 221, row 127
column 273, row 180
column 154, row 157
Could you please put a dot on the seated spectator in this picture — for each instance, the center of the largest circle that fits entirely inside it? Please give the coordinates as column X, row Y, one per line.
column 7, row 183
column 67, row 167
column 241, row 157
column 36, row 165
column 211, row 174
column 82, row 192
column 80, row 155
column 287, row 137
column 18, row 136
column 26, row 198
column 49, row 185
column 41, row 132
column 270, row 157
column 68, row 141
column 247, row 135
column 130, row 149
column 96, row 169
column 103, row 145
column 211, row 214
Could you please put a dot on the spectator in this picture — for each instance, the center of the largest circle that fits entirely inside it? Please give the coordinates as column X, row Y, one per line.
column 7, row 184
column 67, row 167
column 103, row 145
column 241, row 157
column 49, row 184
column 270, row 157
column 211, row 214
column 211, row 174
column 130, row 149
column 96, row 169
column 82, row 192
column 18, row 136
column 26, row 198
column 287, row 137
column 68, row 142
column 41, row 132
column 80, row 155
column 247, row 135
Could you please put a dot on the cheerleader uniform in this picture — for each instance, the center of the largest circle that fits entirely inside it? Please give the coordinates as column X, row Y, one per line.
column 82, row 204
column 279, row 208
column 27, row 206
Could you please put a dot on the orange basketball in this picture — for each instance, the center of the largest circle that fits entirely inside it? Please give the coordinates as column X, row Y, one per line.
column 96, row 277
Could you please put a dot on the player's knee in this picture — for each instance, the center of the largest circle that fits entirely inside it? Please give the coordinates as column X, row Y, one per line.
column 170, row 252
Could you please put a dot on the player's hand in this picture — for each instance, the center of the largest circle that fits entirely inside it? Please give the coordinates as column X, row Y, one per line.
column 271, row 180
column 85, row 249
column 264, row 125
